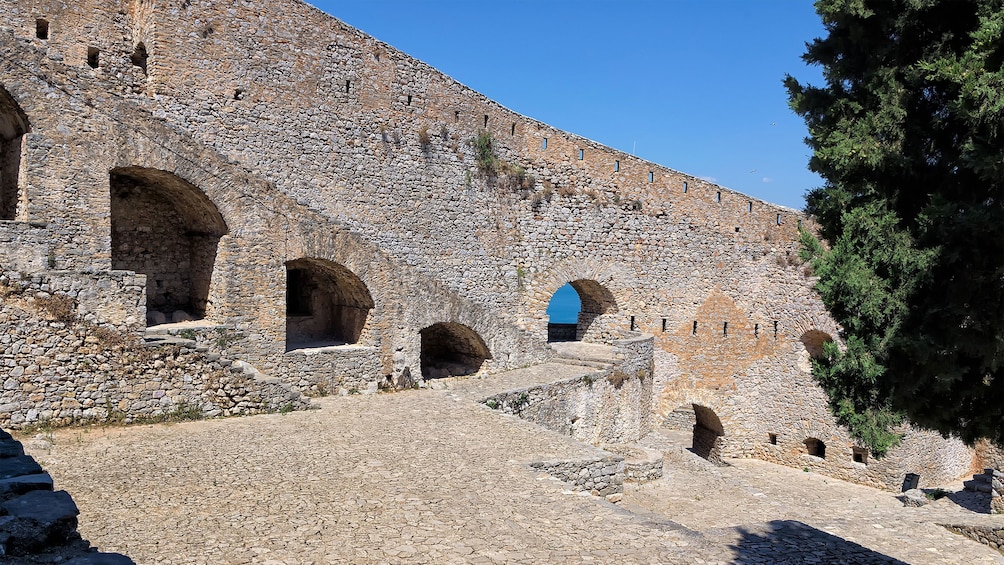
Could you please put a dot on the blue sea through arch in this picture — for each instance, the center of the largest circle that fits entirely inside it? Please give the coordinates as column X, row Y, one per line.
column 564, row 306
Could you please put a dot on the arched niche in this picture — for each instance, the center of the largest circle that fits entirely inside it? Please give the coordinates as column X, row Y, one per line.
column 813, row 340
column 167, row 229
column 708, row 434
column 326, row 304
column 815, row 447
column 450, row 349
column 13, row 126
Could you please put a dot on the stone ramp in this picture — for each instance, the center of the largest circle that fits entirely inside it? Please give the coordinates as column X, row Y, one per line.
column 428, row 477
column 480, row 386
column 413, row 477
column 578, row 353
column 766, row 513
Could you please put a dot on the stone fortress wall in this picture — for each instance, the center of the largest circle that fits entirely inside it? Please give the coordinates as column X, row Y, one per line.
column 271, row 171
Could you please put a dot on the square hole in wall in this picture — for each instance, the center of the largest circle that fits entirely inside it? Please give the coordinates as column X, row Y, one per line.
column 685, row 186
column 543, row 143
column 93, row 57
column 42, row 28
column 860, row 455
column 582, row 154
column 772, row 438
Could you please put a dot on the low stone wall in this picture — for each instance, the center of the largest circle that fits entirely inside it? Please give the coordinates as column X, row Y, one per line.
column 113, row 299
column 58, row 370
column 602, row 476
column 996, row 491
column 608, row 406
column 344, row 369
column 994, row 537
column 640, row 464
column 39, row 525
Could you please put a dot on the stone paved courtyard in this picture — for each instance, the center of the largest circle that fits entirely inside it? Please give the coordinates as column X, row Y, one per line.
column 427, row 476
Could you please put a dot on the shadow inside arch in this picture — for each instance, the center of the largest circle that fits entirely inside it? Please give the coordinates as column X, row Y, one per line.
column 791, row 541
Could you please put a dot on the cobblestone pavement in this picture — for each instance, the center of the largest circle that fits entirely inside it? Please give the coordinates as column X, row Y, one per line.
column 427, row 476
column 759, row 508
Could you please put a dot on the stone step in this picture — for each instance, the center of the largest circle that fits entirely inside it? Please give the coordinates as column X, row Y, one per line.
column 582, row 362
column 977, row 486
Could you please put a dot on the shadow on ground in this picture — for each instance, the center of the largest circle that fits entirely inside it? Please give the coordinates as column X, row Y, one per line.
column 973, row 501
column 789, row 542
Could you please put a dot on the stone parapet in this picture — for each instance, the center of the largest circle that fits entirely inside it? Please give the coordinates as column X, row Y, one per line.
column 602, row 476
column 606, row 406
column 60, row 370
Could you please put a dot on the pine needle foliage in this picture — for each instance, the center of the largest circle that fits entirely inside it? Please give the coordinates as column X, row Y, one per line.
column 908, row 135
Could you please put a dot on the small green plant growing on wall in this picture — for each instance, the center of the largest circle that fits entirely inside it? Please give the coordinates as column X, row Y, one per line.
column 188, row 334
column 520, row 277
column 484, row 152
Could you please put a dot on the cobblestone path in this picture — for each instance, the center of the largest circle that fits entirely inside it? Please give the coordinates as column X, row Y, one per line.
column 427, row 476
column 773, row 514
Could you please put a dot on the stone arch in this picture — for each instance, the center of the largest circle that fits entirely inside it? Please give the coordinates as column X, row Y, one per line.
column 815, row 447
column 326, row 304
column 708, row 434
column 595, row 299
column 13, row 125
column 603, row 289
column 450, row 349
column 813, row 340
column 165, row 227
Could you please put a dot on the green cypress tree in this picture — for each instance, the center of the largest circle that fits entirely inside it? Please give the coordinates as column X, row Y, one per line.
column 907, row 135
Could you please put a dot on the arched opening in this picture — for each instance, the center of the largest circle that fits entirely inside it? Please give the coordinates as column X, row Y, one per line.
column 574, row 307
column 326, row 304
column 169, row 230
column 708, row 434
column 815, row 447
column 813, row 340
column 13, row 126
column 451, row 350
column 563, row 314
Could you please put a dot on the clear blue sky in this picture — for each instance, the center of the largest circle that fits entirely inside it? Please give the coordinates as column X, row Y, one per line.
column 694, row 85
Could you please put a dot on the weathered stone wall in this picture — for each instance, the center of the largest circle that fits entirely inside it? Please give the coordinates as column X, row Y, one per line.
column 601, row 476
column 59, row 370
column 313, row 140
column 608, row 406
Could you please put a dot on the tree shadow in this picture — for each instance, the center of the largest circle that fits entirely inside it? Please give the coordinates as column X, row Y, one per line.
column 788, row 542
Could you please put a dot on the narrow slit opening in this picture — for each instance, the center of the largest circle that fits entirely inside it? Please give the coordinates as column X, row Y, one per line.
column 93, row 57
column 42, row 28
